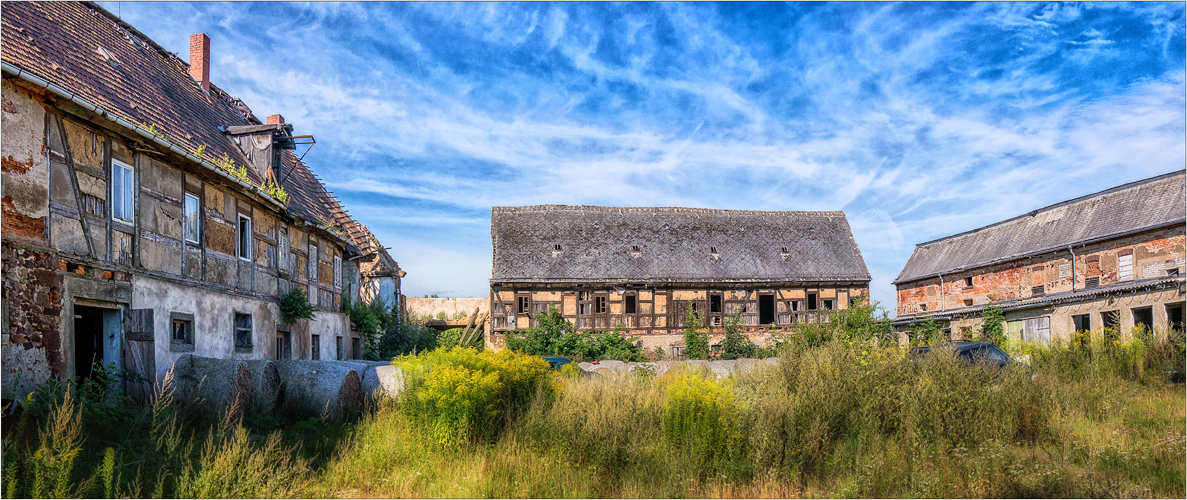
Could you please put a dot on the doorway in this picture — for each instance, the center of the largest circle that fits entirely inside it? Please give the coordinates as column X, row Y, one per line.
column 88, row 341
column 766, row 309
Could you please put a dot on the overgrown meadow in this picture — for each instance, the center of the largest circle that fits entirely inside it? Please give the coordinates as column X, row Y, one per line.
column 844, row 414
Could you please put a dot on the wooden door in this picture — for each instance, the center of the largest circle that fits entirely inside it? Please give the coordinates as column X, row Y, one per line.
column 139, row 352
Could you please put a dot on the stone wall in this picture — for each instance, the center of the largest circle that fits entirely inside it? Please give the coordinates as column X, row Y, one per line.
column 420, row 307
column 32, row 340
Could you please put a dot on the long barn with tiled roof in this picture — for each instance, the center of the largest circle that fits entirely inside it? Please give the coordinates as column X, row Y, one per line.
column 643, row 268
column 149, row 214
column 1110, row 261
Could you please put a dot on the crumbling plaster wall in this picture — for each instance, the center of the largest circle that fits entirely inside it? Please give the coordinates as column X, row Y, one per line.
column 23, row 163
column 1154, row 252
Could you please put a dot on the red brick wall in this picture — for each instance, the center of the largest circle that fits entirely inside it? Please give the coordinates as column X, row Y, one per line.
column 1015, row 279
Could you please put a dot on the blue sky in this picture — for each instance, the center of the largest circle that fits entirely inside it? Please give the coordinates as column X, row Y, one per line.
column 918, row 120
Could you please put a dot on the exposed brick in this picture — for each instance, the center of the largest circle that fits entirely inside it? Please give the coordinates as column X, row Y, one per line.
column 20, row 225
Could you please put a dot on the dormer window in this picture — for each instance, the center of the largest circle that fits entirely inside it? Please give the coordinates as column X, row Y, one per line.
column 636, row 251
column 784, row 253
column 556, row 247
column 713, row 253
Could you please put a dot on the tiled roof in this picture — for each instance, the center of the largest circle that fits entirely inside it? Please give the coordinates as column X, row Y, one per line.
column 63, row 42
column 1146, row 204
column 674, row 245
column 1049, row 299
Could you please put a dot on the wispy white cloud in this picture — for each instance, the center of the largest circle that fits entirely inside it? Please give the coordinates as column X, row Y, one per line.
column 918, row 120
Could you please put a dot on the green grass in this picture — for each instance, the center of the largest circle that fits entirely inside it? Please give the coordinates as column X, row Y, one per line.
column 845, row 418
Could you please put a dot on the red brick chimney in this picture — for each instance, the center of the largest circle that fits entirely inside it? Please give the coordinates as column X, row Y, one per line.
column 200, row 60
column 275, row 120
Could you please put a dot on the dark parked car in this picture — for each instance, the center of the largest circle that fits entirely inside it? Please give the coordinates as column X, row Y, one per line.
column 973, row 352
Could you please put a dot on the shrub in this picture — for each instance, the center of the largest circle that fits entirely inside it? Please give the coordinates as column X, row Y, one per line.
column 458, row 393
column 449, row 338
column 736, row 344
column 992, row 325
column 699, row 416
column 696, row 337
column 554, row 335
column 294, row 306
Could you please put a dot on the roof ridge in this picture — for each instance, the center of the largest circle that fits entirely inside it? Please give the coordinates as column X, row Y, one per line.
column 1037, row 211
column 534, row 208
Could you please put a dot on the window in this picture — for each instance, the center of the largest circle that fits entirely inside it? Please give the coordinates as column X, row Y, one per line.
column 1081, row 322
column 522, row 302
column 923, row 307
column 313, row 258
column 556, row 247
column 1174, row 317
column 828, row 304
column 766, row 309
column 715, row 303
column 191, row 218
column 795, row 305
column 1092, row 282
column 1109, row 319
column 338, row 342
column 968, row 302
column 599, row 305
column 243, row 331
column 1038, row 291
column 181, row 331
column 122, row 190
column 630, row 304
column 338, row 271
column 315, row 347
column 1144, row 317
column 968, row 282
column 1037, row 330
column 812, row 302
column 245, row 237
column 1125, row 267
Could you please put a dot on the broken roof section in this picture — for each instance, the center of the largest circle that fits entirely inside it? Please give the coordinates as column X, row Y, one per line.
column 1129, row 208
column 583, row 244
column 83, row 51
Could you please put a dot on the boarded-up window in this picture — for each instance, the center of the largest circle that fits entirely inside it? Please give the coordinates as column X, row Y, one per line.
column 1125, row 267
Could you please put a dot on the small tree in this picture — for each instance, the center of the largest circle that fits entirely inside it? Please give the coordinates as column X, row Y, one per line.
column 696, row 339
column 993, row 325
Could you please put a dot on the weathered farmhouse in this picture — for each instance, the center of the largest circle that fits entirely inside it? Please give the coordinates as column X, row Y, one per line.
column 1109, row 259
column 148, row 214
column 642, row 268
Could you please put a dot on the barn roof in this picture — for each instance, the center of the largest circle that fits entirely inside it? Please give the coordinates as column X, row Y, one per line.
column 1129, row 208
column 668, row 244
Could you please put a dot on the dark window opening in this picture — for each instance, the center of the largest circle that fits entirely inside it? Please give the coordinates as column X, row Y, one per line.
column 1174, row 317
column 811, row 302
column 356, row 349
column 783, row 250
column 1109, row 319
column 599, row 305
column 794, row 305
column 243, row 330
column 523, row 304
column 1144, row 317
column 715, row 303
column 556, row 247
column 315, row 351
column 338, row 344
column 629, row 304
column 183, row 331
column 635, row 248
column 968, row 281
column 712, row 249
column 1081, row 322
column 828, row 304
column 766, row 309
column 923, row 307
column 968, row 302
